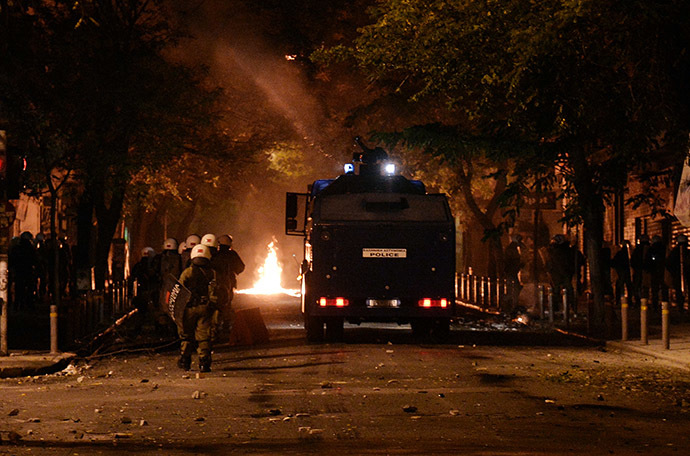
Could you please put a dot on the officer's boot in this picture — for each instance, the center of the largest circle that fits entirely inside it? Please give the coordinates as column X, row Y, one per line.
column 185, row 362
column 205, row 364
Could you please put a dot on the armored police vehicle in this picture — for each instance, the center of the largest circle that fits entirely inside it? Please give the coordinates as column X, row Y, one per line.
column 377, row 247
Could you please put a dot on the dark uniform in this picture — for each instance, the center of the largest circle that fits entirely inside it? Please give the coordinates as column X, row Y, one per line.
column 678, row 265
column 621, row 264
column 23, row 264
column 513, row 263
column 168, row 266
column 146, row 278
column 637, row 264
column 562, row 266
column 200, row 279
column 655, row 266
column 227, row 264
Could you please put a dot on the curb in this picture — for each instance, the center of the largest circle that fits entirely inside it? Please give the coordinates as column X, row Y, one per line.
column 623, row 346
column 34, row 364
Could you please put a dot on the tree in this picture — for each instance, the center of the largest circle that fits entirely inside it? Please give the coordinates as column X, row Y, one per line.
column 592, row 88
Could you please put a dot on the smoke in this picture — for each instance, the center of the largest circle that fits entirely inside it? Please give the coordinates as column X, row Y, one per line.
column 270, row 97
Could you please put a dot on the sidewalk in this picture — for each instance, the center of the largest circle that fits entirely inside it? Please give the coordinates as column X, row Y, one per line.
column 678, row 352
column 28, row 363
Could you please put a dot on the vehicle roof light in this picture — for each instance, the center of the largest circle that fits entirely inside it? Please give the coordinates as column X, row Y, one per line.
column 349, row 168
column 389, row 168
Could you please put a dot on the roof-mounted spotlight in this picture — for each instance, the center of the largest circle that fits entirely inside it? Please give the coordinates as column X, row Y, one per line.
column 349, row 168
column 389, row 168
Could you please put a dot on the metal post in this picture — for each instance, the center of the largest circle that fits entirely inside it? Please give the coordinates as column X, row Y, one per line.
column 665, row 329
column 541, row 302
column 643, row 321
column 549, row 297
column 5, row 308
column 461, row 292
column 468, row 288
column 566, row 310
column 624, row 317
column 475, row 289
column 499, row 295
column 482, row 296
column 53, row 329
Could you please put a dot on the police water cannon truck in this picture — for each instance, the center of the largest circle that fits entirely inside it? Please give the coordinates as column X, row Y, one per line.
column 377, row 247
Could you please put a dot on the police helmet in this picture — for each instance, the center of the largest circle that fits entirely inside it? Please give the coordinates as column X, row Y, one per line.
column 210, row 241
column 26, row 235
column 170, row 244
column 181, row 248
column 655, row 239
column 225, row 239
column 192, row 240
column 644, row 238
column 148, row 252
column 682, row 239
column 200, row 254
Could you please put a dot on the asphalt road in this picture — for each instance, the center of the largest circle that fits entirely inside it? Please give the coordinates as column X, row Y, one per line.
column 483, row 392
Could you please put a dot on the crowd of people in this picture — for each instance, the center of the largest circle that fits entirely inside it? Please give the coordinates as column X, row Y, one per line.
column 206, row 266
column 30, row 273
column 647, row 270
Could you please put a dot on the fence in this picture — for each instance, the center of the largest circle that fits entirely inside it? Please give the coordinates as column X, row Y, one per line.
column 501, row 295
column 86, row 313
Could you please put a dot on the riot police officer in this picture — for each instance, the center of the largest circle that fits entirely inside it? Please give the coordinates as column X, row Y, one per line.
column 678, row 264
column 168, row 266
column 192, row 240
column 195, row 327
column 654, row 266
column 227, row 264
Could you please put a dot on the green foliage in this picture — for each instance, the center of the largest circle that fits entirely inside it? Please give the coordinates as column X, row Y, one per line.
column 289, row 160
column 592, row 87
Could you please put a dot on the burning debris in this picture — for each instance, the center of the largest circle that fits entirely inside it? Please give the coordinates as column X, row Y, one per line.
column 270, row 273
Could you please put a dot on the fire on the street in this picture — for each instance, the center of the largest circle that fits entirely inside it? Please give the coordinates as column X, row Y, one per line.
column 270, row 272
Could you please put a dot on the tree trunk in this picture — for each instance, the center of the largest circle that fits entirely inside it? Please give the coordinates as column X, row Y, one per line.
column 183, row 229
column 592, row 205
column 107, row 217
column 82, row 258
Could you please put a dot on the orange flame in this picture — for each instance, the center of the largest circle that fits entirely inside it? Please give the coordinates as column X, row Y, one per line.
column 270, row 273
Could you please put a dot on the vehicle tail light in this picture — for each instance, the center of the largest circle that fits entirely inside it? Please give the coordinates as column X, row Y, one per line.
column 429, row 302
column 333, row 302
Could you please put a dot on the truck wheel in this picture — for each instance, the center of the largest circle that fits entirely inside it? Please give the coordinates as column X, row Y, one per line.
column 421, row 327
column 334, row 329
column 314, row 327
column 441, row 329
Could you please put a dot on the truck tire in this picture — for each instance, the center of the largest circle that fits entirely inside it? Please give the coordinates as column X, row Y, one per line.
column 441, row 329
column 334, row 330
column 314, row 327
column 421, row 327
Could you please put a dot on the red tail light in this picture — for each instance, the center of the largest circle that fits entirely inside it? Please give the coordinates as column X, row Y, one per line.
column 333, row 302
column 429, row 302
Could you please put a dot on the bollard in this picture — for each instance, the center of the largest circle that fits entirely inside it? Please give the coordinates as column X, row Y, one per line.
column 665, row 330
column 541, row 302
column 624, row 317
column 3, row 304
column 549, row 298
column 564, row 295
column 643, row 321
column 500, row 298
column 475, row 289
column 3, row 328
column 468, row 288
column 461, row 292
column 53, row 329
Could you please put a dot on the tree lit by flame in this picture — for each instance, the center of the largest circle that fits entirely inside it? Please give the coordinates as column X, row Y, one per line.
column 270, row 272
